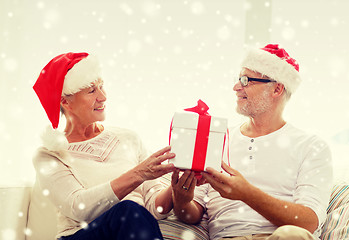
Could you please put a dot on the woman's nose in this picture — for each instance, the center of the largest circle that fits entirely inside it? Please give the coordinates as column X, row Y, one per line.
column 102, row 96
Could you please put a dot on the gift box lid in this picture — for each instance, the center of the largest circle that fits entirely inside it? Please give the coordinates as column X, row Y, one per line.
column 189, row 120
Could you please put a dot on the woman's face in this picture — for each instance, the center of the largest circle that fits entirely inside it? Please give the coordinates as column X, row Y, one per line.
column 88, row 105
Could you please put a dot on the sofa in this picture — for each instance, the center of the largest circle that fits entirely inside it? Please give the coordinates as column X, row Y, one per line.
column 27, row 214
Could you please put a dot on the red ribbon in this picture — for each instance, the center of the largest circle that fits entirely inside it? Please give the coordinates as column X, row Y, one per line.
column 202, row 134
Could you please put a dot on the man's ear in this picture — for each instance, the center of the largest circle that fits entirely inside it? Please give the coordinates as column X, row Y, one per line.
column 279, row 89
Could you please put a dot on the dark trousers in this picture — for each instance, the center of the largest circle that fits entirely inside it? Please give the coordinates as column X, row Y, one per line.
column 124, row 221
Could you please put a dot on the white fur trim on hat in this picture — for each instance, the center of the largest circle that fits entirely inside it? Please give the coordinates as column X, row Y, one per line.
column 273, row 67
column 81, row 75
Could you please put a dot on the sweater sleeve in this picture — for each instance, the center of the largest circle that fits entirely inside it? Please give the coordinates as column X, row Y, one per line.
column 151, row 189
column 66, row 192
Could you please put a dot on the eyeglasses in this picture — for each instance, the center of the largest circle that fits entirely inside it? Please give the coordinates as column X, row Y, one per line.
column 244, row 80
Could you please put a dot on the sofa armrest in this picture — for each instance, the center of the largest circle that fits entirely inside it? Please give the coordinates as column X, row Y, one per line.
column 13, row 212
column 336, row 225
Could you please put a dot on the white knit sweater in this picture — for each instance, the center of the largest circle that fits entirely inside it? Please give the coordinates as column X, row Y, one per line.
column 78, row 178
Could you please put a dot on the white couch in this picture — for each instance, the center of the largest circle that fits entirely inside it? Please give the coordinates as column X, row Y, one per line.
column 27, row 214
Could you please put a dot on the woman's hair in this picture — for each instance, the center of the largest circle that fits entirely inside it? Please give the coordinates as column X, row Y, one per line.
column 62, row 110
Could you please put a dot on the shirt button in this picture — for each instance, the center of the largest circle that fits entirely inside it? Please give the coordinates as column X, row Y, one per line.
column 252, row 140
column 250, row 148
column 251, row 157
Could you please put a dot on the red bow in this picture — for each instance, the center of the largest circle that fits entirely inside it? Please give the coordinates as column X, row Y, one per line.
column 201, row 108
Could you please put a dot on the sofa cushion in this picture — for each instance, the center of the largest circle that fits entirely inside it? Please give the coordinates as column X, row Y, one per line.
column 173, row 229
column 336, row 225
column 42, row 221
column 14, row 203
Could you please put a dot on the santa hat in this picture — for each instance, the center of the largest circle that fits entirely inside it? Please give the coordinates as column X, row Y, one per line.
column 65, row 74
column 275, row 63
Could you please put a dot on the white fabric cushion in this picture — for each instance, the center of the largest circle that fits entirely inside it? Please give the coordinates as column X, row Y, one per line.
column 14, row 203
column 42, row 222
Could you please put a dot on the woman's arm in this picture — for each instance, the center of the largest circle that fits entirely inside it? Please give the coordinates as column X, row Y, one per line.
column 149, row 169
column 66, row 192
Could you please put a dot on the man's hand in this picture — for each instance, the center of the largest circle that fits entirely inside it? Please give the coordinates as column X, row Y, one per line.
column 233, row 187
column 236, row 187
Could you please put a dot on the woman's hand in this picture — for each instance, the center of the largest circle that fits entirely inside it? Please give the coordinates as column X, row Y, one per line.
column 183, row 187
column 185, row 208
column 152, row 167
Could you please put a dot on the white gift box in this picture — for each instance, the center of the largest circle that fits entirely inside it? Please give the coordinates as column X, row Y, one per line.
column 184, row 141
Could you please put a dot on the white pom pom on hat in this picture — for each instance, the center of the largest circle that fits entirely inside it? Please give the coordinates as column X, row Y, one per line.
column 54, row 140
column 274, row 62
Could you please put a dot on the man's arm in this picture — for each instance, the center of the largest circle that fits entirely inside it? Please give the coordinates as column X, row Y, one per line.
column 277, row 211
column 281, row 212
column 185, row 208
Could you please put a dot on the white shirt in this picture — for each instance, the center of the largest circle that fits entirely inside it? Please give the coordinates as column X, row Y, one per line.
column 78, row 180
column 287, row 164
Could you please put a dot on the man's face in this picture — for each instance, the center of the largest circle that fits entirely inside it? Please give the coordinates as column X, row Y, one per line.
column 255, row 98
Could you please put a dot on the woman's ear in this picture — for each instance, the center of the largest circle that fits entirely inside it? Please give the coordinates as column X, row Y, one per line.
column 279, row 88
column 64, row 103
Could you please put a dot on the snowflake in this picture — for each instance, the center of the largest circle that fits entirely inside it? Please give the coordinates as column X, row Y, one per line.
column 28, row 232
column 134, row 46
column 188, row 235
column 126, row 9
column 288, row 33
column 40, row 5
column 81, row 206
column 160, row 209
column 84, row 224
column 151, row 9
column 305, row 23
column 197, row 8
column 45, row 192
column 336, row 216
column 10, row 64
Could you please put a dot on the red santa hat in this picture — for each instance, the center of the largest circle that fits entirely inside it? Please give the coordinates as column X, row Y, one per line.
column 276, row 63
column 65, row 74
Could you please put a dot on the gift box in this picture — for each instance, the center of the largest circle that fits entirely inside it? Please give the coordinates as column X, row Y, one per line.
column 197, row 139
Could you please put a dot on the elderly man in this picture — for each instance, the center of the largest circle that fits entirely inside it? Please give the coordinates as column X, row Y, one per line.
column 277, row 178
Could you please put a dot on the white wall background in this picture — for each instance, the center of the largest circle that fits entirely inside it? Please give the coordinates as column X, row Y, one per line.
column 160, row 56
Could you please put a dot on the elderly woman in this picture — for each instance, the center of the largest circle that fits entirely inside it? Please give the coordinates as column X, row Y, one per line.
column 98, row 177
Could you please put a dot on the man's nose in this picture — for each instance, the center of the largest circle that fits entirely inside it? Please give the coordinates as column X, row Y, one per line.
column 237, row 86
